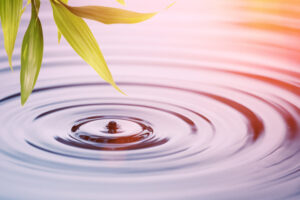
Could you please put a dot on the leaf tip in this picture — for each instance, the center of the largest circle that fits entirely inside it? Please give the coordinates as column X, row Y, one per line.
column 169, row 6
column 23, row 99
column 118, row 89
column 122, row 2
column 58, row 36
column 10, row 63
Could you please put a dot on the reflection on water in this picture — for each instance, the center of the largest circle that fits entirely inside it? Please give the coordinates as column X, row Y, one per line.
column 212, row 110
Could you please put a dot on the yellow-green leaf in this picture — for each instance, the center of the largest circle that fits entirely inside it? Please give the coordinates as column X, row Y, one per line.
column 32, row 53
column 109, row 15
column 79, row 36
column 121, row 2
column 58, row 32
column 10, row 14
column 25, row 7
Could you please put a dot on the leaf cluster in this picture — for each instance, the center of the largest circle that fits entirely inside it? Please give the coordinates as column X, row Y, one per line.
column 71, row 25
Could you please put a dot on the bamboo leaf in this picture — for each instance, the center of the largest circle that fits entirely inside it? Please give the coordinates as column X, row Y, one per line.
column 58, row 32
column 10, row 14
column 32, row 53
column 109, row 15
column 81, row 39
column 25, row 7
column 121, row 2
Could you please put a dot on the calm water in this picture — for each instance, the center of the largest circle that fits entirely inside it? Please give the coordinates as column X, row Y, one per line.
column 212, row 110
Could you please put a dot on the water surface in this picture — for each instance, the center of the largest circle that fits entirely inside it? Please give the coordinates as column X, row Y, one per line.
column 211, row 112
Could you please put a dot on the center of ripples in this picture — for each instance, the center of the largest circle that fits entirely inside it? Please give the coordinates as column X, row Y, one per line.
column 112, row 133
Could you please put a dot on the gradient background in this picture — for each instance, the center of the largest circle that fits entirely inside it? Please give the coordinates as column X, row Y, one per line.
column 246, row 51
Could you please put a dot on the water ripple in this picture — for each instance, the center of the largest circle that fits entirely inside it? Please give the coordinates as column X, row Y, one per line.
column 210, row 114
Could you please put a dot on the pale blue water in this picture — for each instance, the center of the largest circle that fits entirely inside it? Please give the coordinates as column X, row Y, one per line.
column 212, row 110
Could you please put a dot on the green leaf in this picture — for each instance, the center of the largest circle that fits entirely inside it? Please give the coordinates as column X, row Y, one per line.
column 10, row 14
column 81, row 39
column 58, row 32
column 109, row 15
column 32, row 53
column 121, row 2
column 25, row 7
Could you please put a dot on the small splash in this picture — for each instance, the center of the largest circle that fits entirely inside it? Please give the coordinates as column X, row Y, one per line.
column 116, row 133
column 112, row 127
